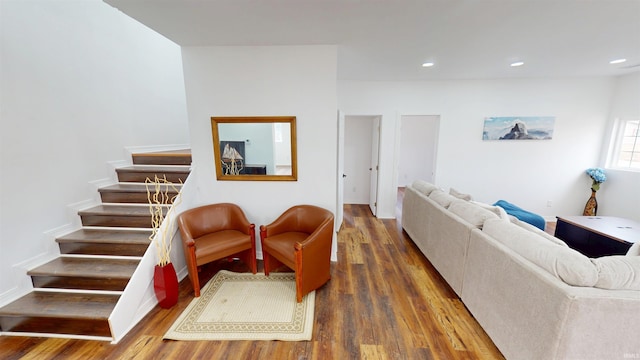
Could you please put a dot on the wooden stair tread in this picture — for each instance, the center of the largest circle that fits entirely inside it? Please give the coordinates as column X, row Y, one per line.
column 106, row 236
column 117, row 210
column 131, row 187
column 136, row 193
column 62, row 304
column 180, row 152
column 87, row 268
column 156, row 169
column 171, row 157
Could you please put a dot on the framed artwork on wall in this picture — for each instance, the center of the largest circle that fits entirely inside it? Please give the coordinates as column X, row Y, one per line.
column 518, row 128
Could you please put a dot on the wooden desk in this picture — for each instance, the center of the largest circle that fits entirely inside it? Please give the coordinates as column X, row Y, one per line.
column 597, row 236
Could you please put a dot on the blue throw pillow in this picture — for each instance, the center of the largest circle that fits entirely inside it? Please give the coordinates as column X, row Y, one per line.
column 523, row 215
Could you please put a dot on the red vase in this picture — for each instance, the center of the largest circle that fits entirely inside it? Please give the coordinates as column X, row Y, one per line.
column 165, row 285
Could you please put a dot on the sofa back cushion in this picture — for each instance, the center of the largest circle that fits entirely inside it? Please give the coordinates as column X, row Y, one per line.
column 424, row 187
column 634, row 250
column 618, row 272
column 442, row 198
column 459, row 195
column 494, row 209
column 537, row 231
column 471, row 213
column 562, row 262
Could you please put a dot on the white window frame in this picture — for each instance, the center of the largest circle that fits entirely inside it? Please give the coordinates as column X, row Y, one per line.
column 617, row 137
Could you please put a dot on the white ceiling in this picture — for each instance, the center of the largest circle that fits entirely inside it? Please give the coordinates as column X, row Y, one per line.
column 390, row 39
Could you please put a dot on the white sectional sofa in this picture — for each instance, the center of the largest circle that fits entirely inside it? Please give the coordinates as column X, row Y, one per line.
column 532, row 294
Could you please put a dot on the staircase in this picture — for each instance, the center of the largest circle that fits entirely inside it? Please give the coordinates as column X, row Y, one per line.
column 75, row 294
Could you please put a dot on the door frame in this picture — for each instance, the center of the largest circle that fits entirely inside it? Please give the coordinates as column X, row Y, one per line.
column 340, row 164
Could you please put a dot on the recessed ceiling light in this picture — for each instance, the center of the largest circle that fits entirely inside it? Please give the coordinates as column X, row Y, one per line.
column 517, row 63
column 617, row 61
column 427, row 64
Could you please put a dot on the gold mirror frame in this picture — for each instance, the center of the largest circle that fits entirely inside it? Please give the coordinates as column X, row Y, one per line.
column 220, row 173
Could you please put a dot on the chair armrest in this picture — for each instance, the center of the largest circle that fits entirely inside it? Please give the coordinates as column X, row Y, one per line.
column 321, row 236
column 185, row 233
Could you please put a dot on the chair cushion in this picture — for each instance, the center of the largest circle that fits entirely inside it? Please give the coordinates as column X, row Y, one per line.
column 282, row 246
column 220, row 244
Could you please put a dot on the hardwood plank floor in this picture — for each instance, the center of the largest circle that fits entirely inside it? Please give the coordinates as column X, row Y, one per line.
column 384, row 301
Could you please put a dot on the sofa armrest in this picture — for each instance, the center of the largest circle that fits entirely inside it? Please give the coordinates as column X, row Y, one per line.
column 530, row 314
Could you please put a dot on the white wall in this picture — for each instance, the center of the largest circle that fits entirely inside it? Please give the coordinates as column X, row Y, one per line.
column 620, row 194
column 525, row 173
column 266, row 81
column 418, row 148
column 80, row 81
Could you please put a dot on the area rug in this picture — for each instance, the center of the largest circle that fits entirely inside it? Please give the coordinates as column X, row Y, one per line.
column 244, row 306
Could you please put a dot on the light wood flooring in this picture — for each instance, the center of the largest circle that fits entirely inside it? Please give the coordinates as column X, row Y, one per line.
column 384, row 301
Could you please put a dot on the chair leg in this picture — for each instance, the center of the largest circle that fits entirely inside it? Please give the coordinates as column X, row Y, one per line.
column 299, row 294
column 196, row 286
column 248, row 257
column 193, row 270
column 266, row 260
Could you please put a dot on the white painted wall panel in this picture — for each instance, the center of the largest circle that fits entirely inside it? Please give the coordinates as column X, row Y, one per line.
column 266, row 81
column 527, row 173
column 80, row 82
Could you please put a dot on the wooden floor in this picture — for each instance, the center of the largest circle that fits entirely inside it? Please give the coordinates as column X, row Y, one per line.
column 385, row 301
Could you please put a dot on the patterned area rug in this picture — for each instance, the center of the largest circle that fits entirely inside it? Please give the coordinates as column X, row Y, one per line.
column 244, row 306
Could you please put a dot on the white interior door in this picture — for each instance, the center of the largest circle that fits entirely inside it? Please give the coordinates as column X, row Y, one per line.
column 340, row 174
column 375, row 155
column 357, row 159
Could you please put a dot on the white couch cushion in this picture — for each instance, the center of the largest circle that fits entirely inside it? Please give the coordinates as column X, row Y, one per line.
column 471, row 213
column 535, row 230
column 494, row 209
column 564, row 263
column 424, row 187
column 441, row 198
column 634, row 250
column 459, row 195
column 618, row 272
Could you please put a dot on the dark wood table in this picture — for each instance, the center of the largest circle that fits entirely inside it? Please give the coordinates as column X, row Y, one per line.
column 596, row 236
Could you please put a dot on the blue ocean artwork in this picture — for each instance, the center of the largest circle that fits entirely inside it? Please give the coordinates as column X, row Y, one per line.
column 518, row 128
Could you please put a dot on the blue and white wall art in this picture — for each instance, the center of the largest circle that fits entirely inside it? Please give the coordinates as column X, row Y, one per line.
column 518, row 128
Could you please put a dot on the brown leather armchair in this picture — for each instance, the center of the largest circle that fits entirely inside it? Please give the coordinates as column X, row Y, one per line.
column 214, row 232
column 301, row 240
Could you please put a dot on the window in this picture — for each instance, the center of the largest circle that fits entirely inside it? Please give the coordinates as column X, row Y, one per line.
column 627, row 154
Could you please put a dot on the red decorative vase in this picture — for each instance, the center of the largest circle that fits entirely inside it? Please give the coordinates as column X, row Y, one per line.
column 165, row 284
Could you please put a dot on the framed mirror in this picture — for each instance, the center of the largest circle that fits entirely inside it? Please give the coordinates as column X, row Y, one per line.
column 259, row 148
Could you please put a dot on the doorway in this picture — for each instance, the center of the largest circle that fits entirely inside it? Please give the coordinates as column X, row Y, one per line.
column 360, row 156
